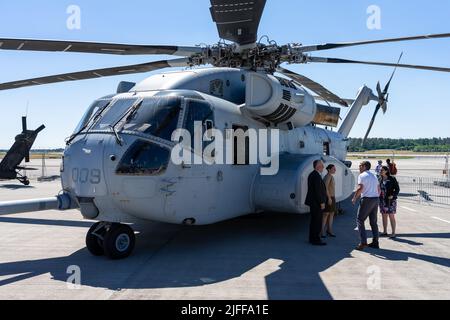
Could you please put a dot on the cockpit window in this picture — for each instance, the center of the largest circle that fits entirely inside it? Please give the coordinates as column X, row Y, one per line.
column 144, row 158
column 199, row 111
column 91, row 113
column 155, row 116
column 113, row 113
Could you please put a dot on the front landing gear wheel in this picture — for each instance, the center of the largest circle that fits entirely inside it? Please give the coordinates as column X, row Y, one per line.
column 119, row 241
column 94, row 241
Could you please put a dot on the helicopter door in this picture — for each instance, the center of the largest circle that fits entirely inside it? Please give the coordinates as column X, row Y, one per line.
column 190, row 189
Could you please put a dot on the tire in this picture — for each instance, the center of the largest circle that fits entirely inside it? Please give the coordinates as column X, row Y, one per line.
column 93, row 243
column 119, row 241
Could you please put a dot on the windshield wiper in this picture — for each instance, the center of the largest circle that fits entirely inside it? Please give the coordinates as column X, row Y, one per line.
column 92, row 120
column 118, row 139
column 133, row 111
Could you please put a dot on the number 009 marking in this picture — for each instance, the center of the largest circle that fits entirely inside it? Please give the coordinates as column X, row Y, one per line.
column 84, row 175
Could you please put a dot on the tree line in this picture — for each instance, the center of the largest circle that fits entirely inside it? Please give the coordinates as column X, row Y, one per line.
column 415, row 145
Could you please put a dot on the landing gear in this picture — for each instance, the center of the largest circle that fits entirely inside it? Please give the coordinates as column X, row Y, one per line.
column 114, row 240
column 24, row 180
column 94, row 239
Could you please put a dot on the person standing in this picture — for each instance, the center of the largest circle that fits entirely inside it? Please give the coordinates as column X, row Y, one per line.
column 388, row 200
column 392, row 167
column 378, row 169
column 330, row 208
column 369, row 191
column 316, row 199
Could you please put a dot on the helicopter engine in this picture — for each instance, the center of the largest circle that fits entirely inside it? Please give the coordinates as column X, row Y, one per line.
column 278, row 101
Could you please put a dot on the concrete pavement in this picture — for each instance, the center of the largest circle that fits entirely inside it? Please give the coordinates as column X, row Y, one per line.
column 255, row 257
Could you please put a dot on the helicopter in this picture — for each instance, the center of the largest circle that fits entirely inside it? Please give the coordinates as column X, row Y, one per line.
column 10, row 165
column 154, row 150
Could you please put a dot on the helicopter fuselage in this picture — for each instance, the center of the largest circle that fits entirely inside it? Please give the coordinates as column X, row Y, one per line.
column 119, row 164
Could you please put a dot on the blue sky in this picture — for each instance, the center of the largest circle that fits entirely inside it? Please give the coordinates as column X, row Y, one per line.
column 419, row 101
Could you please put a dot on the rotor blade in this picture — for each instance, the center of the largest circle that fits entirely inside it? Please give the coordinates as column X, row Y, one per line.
column 372, row 122
column 328, row 46
column 238, row 20
column 386, row 89
column 38, row 130
column 92, row 74
column 336, row 60
column 380, row 93
column 349, row 101
column 24, row 125
column 94, row 47
column 326, row 94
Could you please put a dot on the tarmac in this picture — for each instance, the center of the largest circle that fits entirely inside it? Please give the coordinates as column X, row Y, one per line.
column 257, row 257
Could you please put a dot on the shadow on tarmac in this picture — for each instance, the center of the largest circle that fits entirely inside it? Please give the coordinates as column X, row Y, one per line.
column 46, row 222
column 15, row 186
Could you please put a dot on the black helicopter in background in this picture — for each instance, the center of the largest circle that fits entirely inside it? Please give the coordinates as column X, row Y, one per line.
column 10, row 168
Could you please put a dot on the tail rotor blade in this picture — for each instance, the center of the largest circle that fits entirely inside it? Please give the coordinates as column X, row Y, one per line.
column 372, row 122
column 386, row 89
column 384, row 104
column 380, row 93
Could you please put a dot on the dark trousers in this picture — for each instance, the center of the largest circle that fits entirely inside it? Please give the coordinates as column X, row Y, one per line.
column 315, row 227
column 368, row 209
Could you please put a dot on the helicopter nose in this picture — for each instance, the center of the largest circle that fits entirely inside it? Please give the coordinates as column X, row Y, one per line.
column 83, row 168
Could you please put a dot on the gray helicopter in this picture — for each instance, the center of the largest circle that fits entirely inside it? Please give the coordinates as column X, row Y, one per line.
column 202, row 145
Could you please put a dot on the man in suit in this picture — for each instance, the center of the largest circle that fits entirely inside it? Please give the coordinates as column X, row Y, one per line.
column 316, row 199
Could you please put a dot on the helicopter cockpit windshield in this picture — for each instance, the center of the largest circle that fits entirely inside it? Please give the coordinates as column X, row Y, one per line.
column 92, row 114
column 157, row 117
column 154, row 116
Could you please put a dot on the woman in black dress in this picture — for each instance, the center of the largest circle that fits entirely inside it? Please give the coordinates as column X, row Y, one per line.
column 388, row 200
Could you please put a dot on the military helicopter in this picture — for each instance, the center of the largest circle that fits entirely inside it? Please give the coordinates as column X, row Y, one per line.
column 118, row 165
column 10, row 165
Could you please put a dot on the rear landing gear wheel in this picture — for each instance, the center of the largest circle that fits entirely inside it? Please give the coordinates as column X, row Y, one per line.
column 94, row 241
column 119, row 241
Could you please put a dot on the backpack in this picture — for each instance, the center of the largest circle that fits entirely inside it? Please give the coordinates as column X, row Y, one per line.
column 393, row 169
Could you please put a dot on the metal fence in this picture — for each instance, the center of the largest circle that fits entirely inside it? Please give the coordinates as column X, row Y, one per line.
column 423, row 190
